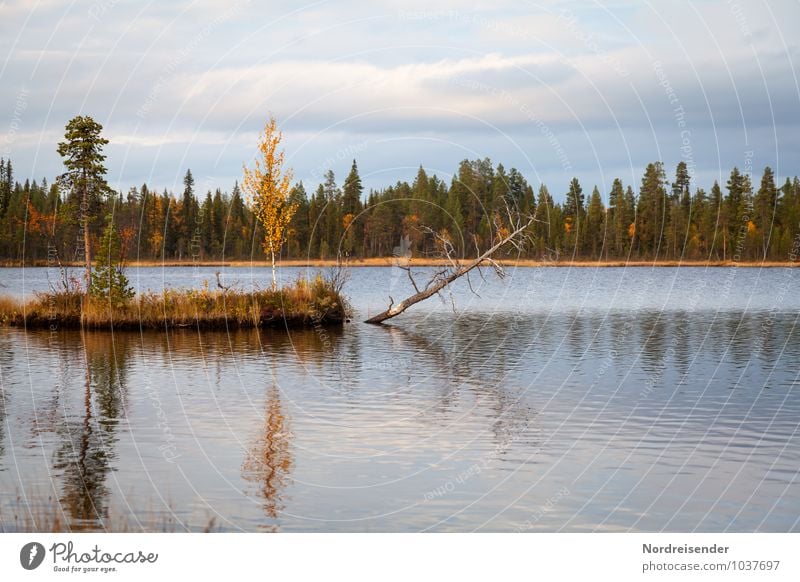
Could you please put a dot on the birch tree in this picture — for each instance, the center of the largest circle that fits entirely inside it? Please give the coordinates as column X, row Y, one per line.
column 268, row 186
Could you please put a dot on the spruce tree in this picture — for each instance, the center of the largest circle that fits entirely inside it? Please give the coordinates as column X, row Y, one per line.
column 189, row 210
column 109, row 285
column 351, row 192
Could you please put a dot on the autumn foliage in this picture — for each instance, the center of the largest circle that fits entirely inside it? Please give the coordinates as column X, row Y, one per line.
column 268, row 186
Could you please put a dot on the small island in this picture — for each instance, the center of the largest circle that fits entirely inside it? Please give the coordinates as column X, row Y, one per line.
column 103, row 299
column 305, row 303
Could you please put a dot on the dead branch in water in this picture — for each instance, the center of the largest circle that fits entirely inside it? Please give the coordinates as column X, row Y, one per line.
column 513, row 236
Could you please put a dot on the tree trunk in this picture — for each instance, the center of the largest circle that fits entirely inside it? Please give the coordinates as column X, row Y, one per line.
column 274, row 276
column 87, row 249
column 431, row 290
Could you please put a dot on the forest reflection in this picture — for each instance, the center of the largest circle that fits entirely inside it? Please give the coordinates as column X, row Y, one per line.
column 267, row 425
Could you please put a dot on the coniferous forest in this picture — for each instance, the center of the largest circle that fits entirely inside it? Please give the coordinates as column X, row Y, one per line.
column 664, row 217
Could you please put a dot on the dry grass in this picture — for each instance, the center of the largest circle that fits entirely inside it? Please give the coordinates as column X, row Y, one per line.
column 8, row 306
column 305, row 302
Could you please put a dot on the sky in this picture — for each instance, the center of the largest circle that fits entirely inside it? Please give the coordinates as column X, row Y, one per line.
column 589, row 89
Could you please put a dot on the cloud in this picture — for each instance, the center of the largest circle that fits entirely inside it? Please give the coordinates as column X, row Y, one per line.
column 188, row 83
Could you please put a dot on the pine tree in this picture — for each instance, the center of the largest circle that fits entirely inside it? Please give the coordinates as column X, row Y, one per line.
column 170, row 234
column 737, row 205
column 682, row 181
column 718, row 222
column 299, row 230
column 82, row 152
column 679, row 211
column 573, row 217
column 6, row 181
column 618, row 218
column 206, row 224
column 651, row 210
column 519, row 191
column 700, row 216
column 595, row 225
column 218, row 215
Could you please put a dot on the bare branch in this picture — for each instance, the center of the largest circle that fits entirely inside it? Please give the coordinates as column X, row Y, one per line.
column 338, row 276
column 498, row 268
column 469, row 282
column 410, row 277
column 443, row 278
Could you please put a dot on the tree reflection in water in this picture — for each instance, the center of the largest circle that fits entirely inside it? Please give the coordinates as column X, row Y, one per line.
column 269, row 461
column 85, row 455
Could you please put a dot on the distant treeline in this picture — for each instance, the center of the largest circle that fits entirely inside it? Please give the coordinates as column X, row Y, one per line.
column 664, row 218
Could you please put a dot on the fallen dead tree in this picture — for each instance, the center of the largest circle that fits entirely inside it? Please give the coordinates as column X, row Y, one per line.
column 456, row 268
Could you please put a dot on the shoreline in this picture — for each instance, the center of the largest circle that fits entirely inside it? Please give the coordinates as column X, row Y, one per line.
column 422, row 262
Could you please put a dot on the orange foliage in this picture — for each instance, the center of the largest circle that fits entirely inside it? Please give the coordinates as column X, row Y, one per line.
column 38, row 222
column 410, row 223
column 126, row 236
column 502, row 231
column 156, row 242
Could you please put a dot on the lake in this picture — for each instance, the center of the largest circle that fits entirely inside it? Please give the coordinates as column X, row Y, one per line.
column 557, row 399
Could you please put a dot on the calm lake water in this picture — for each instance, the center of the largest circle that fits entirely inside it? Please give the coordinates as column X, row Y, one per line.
column 557, row 399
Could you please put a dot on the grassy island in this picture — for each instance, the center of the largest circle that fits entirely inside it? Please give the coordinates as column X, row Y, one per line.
column 305, row 303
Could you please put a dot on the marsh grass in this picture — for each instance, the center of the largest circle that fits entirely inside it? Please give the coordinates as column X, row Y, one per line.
column 306, row 302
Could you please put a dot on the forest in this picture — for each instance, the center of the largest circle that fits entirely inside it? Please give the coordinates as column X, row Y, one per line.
column 663, row 218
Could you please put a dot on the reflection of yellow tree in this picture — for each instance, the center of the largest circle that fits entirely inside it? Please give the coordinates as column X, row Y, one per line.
column 269, row 460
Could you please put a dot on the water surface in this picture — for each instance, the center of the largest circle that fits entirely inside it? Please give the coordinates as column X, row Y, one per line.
column 556, row 400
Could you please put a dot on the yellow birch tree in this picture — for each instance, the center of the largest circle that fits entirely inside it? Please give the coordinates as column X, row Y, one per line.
column 267, row 186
